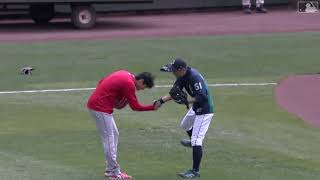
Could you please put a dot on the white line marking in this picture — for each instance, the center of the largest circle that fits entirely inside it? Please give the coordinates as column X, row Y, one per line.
column 46, row 90
column 242, row 84
column 157, row 86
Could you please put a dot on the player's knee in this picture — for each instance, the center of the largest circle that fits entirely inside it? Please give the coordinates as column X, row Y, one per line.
column 196, row 141
column 116, row 134
column 185, row 126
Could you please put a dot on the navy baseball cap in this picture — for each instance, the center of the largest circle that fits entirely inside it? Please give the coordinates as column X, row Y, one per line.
column 175, row 65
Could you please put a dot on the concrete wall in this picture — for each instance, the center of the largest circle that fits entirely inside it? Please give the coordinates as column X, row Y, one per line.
column 181, row 4
column 156, row 5
column 66, row 1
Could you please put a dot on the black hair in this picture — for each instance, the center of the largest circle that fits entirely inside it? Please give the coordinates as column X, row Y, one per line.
column 147, row 77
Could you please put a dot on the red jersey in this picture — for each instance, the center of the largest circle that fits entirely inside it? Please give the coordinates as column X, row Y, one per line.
column 113, row 88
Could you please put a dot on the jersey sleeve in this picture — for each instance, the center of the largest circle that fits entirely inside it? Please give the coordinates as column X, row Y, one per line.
column 200, row 89
column 133, row 101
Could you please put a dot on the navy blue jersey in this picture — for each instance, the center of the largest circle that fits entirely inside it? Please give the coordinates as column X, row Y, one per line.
column 196, row 86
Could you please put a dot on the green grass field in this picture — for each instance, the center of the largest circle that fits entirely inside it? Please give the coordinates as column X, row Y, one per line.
column 51, row 135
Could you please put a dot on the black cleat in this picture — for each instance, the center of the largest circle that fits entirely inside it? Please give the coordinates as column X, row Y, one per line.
column 190, row 174
column 246, row 10
column 261, row 9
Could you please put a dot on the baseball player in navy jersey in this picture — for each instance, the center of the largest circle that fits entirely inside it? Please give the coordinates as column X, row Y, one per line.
column 197, row 120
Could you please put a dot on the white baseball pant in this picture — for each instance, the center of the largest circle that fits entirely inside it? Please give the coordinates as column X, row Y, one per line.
column 200, row 125
column 248, row 2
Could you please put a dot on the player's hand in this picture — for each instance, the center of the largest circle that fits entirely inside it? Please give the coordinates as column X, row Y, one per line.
column 156, row 104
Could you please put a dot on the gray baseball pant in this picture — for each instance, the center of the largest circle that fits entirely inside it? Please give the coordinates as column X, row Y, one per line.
column 109, row 134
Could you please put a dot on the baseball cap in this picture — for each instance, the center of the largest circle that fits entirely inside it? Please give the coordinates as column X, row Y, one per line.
column 175, row 65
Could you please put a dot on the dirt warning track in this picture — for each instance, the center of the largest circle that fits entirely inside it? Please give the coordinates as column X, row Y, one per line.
column 171, row 25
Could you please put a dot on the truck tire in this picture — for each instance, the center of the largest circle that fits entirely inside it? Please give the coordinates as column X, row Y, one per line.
column 41, row 13
column 83, row 16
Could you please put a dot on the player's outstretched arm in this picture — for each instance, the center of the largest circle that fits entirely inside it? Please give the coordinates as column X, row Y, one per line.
column 134, row 103
column 158, row 103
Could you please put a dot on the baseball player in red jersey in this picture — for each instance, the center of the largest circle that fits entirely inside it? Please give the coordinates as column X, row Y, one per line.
column 116, row 91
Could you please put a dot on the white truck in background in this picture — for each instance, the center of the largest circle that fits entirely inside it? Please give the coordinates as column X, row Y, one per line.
column 83, row 14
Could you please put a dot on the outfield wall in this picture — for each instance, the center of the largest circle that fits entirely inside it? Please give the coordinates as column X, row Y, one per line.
column 156, row 5
column 182, row 4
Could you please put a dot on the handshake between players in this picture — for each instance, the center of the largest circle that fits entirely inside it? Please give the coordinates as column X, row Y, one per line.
column 118, row 90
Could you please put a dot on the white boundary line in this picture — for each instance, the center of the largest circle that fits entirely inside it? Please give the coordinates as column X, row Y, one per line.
column 157, row 86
